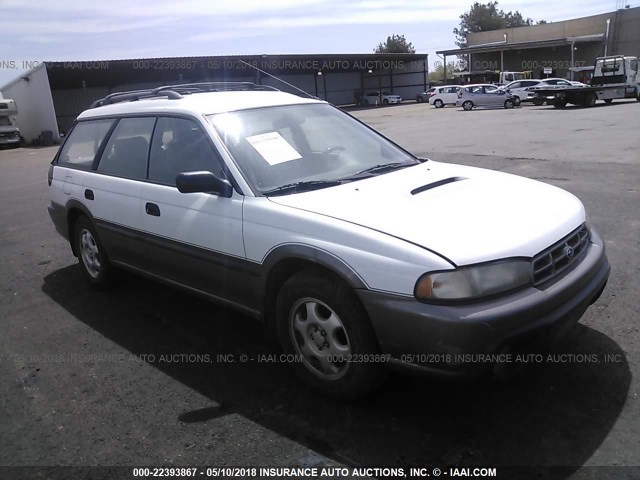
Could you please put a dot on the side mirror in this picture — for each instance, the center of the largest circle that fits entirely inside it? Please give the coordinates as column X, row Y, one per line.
column 203, row 182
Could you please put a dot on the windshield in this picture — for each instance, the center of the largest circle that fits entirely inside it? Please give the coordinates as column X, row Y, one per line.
column 279, row 146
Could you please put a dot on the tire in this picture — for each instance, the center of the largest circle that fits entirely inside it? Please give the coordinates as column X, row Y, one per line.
column 438, row 103
column 509, row 104
column 419, row 99
column 385, row 101
column 538, row 102
column 559, row 103
column 92, row 256
column 517, row 101
column 467, row 105
column 317, row 316
column 608, row 101
column 590, row 99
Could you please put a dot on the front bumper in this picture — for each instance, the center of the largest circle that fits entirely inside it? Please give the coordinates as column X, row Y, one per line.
column 14, row 140
column 432, row 337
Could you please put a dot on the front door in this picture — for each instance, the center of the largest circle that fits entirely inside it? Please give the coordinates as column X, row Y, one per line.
column 193, row 238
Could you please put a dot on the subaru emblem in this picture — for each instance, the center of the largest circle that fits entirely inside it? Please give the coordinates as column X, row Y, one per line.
column 569, row 252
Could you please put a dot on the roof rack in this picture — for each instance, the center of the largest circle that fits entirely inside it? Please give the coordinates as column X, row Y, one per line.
column 175, row 92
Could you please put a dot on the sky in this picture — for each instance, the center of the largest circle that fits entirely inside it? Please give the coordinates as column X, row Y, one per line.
column 79, row 30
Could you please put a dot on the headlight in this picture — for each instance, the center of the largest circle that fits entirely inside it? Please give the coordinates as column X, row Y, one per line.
column 477, row 281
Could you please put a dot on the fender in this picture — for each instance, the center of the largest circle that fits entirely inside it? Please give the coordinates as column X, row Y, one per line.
column 313, row 254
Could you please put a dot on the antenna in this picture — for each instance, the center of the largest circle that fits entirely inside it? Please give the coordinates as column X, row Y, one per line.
column 279, row 79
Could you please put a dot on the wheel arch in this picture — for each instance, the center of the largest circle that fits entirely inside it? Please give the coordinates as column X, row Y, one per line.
column 286, row 260
column 75, row 209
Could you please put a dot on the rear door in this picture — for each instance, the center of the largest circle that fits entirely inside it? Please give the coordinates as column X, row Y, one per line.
column 115, row 187
column 450, row 95
column 194, row 238
column 492, row 96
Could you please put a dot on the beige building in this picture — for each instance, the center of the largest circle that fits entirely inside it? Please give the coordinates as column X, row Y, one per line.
column 562, row 49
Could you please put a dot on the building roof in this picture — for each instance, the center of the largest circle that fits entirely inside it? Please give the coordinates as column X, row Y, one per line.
column 505, row 46
column 167, row 70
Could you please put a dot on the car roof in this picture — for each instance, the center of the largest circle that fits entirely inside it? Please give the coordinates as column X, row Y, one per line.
column 480, row 85
column 204, row 103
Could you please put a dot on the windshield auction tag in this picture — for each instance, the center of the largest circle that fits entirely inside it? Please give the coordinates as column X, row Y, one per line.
column 273, row 148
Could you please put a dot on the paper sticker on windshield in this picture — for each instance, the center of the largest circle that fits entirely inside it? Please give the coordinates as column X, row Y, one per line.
column 273, row 148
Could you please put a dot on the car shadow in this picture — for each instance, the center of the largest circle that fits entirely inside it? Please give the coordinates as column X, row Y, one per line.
column 553, row 414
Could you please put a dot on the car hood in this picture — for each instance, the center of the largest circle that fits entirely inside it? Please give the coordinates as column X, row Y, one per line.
column 465, row 214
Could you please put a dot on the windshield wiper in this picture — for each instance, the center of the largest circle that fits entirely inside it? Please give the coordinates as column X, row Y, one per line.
column 302, row 187
column 383, row 167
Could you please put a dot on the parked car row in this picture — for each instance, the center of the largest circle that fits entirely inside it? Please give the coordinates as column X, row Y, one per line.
column 380, row 98
column 488, row 95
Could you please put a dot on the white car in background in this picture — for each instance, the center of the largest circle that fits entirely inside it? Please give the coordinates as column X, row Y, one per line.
column 442, row 96
column 519, row 89
column 384, row 98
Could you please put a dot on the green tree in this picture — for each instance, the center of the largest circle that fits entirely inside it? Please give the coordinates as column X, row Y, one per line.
column 483, row 17
column 437, row 74
column 395, row 44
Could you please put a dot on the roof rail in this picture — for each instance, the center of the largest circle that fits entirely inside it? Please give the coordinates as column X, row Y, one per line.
column 175, row 92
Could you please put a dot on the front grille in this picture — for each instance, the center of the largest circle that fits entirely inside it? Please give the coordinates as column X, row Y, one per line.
column 561, row 256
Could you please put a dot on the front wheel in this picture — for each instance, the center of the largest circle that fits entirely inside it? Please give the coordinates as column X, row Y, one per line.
column 385, row 102
column 438, row 103
column 91, row 254
column 326, row 330
column 468, row 105
column 509, row 104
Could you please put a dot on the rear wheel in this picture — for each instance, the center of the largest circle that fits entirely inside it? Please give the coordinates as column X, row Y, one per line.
column 322, row 324
column 385, row 102
column 91, row 254
column 468, row 105
column 438, row 103
column 419, row 99
column 509, row 104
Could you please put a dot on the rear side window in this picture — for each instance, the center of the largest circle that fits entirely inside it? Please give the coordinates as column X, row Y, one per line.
column 83, row 142
column 180, row 145
column 127, row 151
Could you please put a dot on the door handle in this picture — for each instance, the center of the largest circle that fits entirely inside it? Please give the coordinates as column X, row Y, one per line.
column 88, row 194
column 152, row 209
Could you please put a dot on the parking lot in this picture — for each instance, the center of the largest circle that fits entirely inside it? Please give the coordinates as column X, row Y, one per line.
column 118, row 378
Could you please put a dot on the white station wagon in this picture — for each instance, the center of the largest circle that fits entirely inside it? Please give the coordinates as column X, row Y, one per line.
column 355, row 254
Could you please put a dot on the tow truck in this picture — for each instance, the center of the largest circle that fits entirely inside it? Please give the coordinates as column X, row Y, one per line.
column 614, row 77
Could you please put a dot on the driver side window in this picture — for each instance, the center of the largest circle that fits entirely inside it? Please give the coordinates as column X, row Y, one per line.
column 180, row 145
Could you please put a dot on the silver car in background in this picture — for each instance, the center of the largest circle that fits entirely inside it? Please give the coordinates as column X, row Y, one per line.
column 484, row 95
